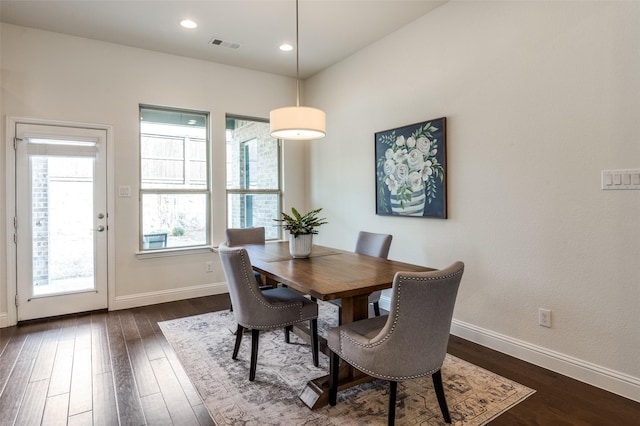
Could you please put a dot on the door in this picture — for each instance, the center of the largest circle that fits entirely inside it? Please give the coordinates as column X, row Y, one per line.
column 61, row 220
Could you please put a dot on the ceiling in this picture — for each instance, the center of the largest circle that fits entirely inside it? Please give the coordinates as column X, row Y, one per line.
column 329, row 30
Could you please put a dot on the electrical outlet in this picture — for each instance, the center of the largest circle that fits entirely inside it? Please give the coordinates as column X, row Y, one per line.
column 209, row 266
column 544, row 317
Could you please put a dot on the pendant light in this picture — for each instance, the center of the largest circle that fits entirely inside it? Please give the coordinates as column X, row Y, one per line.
column 297, row 122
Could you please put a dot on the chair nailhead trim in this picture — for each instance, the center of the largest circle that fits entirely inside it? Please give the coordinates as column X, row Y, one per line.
column 252, row 287
column 386, row 377
column 343, row 336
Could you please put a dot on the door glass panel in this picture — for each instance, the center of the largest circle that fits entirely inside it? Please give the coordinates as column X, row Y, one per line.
column 62, row 219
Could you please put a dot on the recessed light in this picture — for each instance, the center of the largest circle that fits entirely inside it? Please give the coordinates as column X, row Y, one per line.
column 286, row 47
column 188, row 23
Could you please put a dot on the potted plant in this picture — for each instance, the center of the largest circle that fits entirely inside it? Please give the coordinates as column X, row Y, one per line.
column 301, row 229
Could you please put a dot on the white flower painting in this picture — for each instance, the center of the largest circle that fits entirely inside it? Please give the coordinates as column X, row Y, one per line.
column 410, row 170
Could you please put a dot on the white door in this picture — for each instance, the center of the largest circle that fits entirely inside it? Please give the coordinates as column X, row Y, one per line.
column 61, row 220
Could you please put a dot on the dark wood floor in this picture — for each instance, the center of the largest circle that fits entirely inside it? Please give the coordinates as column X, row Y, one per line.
column 117, row 368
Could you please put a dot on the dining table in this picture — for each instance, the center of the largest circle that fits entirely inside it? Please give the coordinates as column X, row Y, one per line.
column 329, row 274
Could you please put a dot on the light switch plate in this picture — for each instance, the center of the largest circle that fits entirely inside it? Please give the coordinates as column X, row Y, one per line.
column 621, row 179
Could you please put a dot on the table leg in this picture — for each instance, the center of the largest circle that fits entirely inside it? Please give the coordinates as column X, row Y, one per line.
column 355, row 308
column 316, row 392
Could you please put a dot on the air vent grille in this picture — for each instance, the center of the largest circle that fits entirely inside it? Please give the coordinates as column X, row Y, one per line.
column 223, row 43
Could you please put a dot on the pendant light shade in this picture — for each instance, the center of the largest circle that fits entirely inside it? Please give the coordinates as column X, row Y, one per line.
column 297, row 122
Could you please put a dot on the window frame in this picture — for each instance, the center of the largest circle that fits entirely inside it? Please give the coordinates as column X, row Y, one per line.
column 207, row 191
column 255, row 191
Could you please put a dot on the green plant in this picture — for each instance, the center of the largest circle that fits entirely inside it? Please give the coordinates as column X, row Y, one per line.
column 298, row 224
column 177, row 231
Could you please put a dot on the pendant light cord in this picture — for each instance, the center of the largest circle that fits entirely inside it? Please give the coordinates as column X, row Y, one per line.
column 297, row 61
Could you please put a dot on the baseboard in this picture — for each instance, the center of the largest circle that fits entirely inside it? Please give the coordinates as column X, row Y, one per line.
column 4, row 320
column 163, row 296
column 592, row 374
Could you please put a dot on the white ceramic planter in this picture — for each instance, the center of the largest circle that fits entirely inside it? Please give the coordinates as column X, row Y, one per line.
column 300, row 246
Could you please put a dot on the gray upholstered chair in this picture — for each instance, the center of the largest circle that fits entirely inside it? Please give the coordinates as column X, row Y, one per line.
column 257, row 309
column 241, row 236
column 370, row 244
column 408, row 343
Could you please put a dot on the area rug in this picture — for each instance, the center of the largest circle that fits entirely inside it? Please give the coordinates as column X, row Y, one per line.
column 204, row 344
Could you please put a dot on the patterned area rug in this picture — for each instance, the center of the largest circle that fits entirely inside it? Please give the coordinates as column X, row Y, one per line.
column 204, row 344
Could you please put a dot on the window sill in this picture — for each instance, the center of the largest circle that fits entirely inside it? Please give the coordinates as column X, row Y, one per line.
column 151, row 254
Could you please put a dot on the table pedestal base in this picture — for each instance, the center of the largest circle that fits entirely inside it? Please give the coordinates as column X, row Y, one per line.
column 316, row 392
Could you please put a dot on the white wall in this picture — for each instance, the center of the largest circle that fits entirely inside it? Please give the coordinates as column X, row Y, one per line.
column 58, row 77
column 539, row 98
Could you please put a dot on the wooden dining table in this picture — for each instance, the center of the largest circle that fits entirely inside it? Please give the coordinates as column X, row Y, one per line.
column 329, row 274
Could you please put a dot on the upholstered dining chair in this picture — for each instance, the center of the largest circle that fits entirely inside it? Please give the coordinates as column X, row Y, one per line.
column 370, row 244
column 257, row 309
column 240, row 236
column 408, row 343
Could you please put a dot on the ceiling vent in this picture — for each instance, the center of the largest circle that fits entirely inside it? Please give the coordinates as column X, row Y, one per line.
column 222, row 43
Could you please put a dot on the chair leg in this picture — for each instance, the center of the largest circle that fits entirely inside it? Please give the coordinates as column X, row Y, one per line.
column 393, row 388
column 437, row 385
column 314, row 341
column 239, row 333
column 287, row 333
column 376, row 308
column 334, row 369
column 255, row 336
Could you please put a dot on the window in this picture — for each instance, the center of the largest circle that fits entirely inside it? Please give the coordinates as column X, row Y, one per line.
column 174, row 178
column 253, row 176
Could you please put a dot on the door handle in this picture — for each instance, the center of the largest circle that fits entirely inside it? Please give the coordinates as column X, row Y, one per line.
column 100, row 228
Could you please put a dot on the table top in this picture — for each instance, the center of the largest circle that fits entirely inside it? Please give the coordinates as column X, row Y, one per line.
column 327, row 273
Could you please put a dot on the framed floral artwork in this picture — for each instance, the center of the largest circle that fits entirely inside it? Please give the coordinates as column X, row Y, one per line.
column 411, row 172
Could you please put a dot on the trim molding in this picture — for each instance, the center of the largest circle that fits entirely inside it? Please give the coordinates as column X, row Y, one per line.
column 592, row 374
column 162, row 296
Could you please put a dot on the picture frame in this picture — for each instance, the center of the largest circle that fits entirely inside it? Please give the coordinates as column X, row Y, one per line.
column 411, row 170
